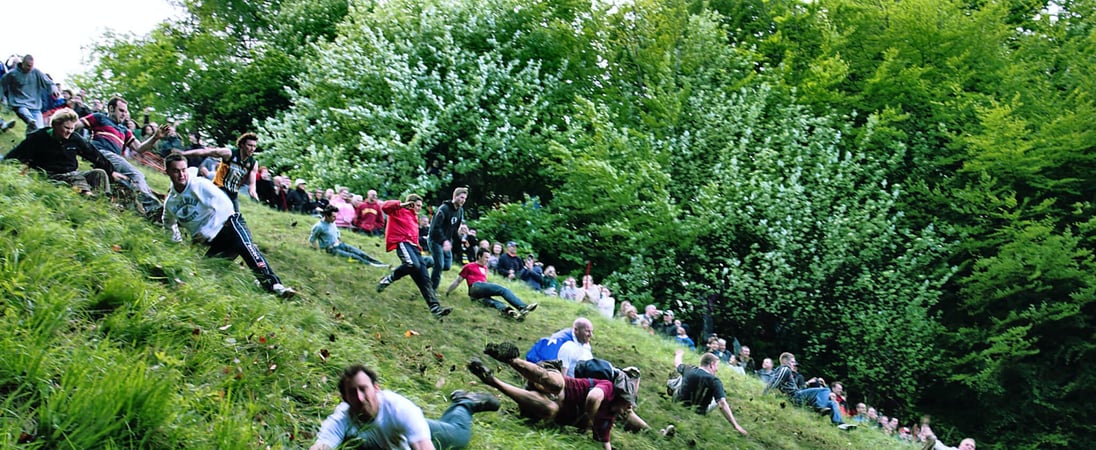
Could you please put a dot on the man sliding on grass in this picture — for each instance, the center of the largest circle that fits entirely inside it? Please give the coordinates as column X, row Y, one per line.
column 475, row 273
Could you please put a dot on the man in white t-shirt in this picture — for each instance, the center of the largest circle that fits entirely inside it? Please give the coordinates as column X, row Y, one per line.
column 370, row 418
column 577, row 349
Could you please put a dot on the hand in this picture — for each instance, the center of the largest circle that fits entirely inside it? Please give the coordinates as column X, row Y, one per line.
column 741, row 430
column 117, row 176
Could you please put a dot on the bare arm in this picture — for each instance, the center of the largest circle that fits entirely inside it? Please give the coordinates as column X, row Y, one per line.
column 424, row 444
column 251, row 180
column 678, row 357
column 220, row 152
column 726, row 410
column 148, row 143
column 454, row 284
column 593, row 403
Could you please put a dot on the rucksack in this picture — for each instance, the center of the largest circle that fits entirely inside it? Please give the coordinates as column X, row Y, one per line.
column 625, row 381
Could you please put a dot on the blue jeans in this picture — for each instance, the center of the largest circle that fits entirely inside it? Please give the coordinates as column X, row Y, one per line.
column 453, row 430
column 28, row 115
column 136, row 180
column 820, row 398
column 443, row 260
column 349, row 251
column 486, row 292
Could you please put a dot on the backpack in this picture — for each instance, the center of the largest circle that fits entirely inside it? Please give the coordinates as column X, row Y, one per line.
column 547, row 348
column 625, row 381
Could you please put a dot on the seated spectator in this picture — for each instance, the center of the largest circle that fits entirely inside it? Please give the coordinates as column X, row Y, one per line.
column 319, row 202
column 589, row 292
column 721, row 350
column 475, row 273
column 550, row 285
column 683, row 339
column 646, row 326
column 786, row 380
column 606, row 304
column 54, row 150
column 584, row 403
column 493, row 260
column 569, row 291
column 370, row 219
column 765, row 373
column 345, row 217
column 837, row 390
column 510, row 263
column 325, row 236
column 733, row 365
column 667, row 327
column 298, row 198
column 743, row 359
column 698, row 387
column 532, row 273
column 651, row 313
column 371, row 418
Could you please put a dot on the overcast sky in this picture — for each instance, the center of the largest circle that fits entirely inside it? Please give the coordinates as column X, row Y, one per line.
column 56, row 31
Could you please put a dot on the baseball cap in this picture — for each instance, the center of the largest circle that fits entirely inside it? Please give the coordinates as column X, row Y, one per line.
column 299, row 182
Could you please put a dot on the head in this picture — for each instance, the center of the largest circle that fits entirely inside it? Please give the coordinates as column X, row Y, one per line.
column 63, row 122
column 861, row 408
column 550, row 271
column 414, row 202
column 583, row 330
column 248, row 143
column 485, row 245
column 496, row 248
column 148, row 129
column 356, row 200
column 587, row 281
column 329, row 213
column 743, row 353
column 345, row 193
column 570, row 281
column 650, row 311
column 482, row 256
column 872, row 414
column 27, row 64
column 358, row 387
column 837, row 388
column 118, row 109
column 512, row 248
column 371, row 195
column 709, row 362
column 967, row 444
column 301, row 184
column 460, row 195
column 767, row 363
column 681, row 332
column 175, row 166
column 667, row 316
column 462, row 229
column 788, row 359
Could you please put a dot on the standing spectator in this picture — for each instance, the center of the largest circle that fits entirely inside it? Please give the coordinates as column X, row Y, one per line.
column 172, row 142
column 589, row 292
column 54, row 152
column 111, row 139
column 373, row 419
column 325, row 236
column 447, row 222
column 206, row 213
column 606, row 304
column 402, row 235
column 475, row 273
column 24, row 90
column 238, row 167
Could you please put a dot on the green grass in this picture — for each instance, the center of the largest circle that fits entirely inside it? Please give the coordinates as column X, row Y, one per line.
column 115, row 337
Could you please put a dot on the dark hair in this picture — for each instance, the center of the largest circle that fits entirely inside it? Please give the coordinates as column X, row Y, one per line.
column 330, row 209
column 174, row 156
column 349, row 374
column 114, row 101
column 480, row 252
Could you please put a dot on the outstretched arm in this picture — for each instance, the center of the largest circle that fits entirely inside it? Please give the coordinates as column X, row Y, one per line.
column 726, row 410
column 454, row 284
column 151, row 141
column 593, row 403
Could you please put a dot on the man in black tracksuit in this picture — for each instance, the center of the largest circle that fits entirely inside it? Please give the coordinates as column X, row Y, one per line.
column 445, row 227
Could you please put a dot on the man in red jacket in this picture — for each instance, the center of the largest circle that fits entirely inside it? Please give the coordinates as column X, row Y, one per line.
column 402, row 235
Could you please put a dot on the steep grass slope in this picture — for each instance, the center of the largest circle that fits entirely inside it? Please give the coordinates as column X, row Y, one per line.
column 114, row 337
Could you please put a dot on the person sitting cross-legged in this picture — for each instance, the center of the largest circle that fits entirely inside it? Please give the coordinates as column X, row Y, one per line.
column 325, row 236
column 475, row 273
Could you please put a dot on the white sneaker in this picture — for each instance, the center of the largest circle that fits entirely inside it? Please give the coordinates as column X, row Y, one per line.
column 282, row 291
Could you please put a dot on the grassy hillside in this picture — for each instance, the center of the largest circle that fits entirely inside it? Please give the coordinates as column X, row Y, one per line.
column 115, row 337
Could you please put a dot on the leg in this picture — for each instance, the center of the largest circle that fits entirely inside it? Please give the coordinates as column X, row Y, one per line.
column 547, row 381
column 136, row 181
column 480, row 290
column 532, row 404
column 98, row 180
column 454, row 428
column 235, row 240
column 350, row 251
column 439, row 261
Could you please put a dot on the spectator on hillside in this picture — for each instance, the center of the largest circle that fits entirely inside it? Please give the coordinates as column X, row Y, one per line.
column 369, row 218
column 700, row 388
column 402, row 236
column 606, row 304
column 584, row 403
column 345, row 217
column 925, row 430
column 837, row 391
column 743, row 359
column 171, row 141
column 550, row 283
column 448, row 220
column 765, row 373
column 54, row 151
column 510, row 263
column 325, row 236
column 667, row 327
column 493, row 260
column 784, row 379
column 237, row 168
column 589, row 292
column 683, row 339
column 720, row 350
column 208, row 167
column 207, row 214
column 110, row 139
column 371, row 418
column 651, row 313
column 266, row 185
column 475, row 273
column 281, row 193
column 532, row 273
column 298, row 199
column 734, row 367
column 24, row 90
column 569, row 291
column 319, row 202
